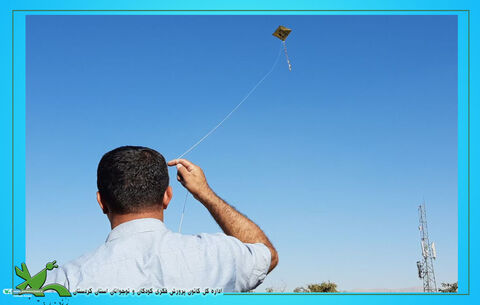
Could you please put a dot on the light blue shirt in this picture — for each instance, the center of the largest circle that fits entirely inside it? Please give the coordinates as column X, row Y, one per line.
column 143, row 253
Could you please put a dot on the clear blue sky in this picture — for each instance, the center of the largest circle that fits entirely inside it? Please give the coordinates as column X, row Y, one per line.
column 331, row 159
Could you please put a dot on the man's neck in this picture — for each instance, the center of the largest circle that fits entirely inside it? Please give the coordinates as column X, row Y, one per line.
column 117, row 219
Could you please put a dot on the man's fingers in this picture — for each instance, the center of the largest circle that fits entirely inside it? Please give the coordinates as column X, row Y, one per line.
column 180, row 179
column 189, row 165
column 172, row 162
column 182, row 171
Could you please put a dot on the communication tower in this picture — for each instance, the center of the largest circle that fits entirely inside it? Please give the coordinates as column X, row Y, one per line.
column 429, row 253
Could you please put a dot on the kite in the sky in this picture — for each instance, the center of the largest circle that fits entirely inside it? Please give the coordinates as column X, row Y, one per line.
column 282, row 33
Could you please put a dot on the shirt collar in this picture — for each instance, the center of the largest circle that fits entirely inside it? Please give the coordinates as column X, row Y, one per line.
column 136, row 226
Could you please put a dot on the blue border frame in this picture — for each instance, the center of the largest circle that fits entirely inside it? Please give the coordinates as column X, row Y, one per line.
column 16, row 157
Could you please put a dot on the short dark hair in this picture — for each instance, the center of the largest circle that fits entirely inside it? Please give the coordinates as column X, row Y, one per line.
column 132, row 179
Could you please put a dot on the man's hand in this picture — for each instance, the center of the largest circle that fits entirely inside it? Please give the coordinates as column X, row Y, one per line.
column 192, row 178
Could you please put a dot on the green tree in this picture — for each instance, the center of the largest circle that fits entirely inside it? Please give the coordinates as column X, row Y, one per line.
column 449, row 287
column 324, row 287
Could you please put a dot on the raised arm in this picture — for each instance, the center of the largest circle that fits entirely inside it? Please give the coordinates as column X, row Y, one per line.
column 231, row 221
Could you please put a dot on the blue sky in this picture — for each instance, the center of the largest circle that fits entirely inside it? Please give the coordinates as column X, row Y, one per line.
column 331, row 159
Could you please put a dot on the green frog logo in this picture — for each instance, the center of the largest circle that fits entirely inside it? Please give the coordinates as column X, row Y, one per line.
column 34, row 284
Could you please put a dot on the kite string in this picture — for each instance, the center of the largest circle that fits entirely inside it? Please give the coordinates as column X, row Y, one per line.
column 183, row 213
column 234, row 109
column 221, row 122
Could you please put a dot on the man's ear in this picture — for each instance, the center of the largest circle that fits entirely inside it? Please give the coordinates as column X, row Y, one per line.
column 167, row 197
column 101, row 204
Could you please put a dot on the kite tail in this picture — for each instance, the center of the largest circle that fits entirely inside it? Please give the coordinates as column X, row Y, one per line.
column 286, row 54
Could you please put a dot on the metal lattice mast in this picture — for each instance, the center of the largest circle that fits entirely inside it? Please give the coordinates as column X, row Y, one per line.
column 425, row 266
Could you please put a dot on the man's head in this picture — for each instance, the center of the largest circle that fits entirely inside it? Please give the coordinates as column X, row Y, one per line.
column 133, row 180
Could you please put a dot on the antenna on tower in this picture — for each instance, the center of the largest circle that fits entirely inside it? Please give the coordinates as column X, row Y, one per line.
column 429, row 253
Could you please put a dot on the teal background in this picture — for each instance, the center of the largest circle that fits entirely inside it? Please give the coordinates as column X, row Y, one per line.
column 466, row 279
